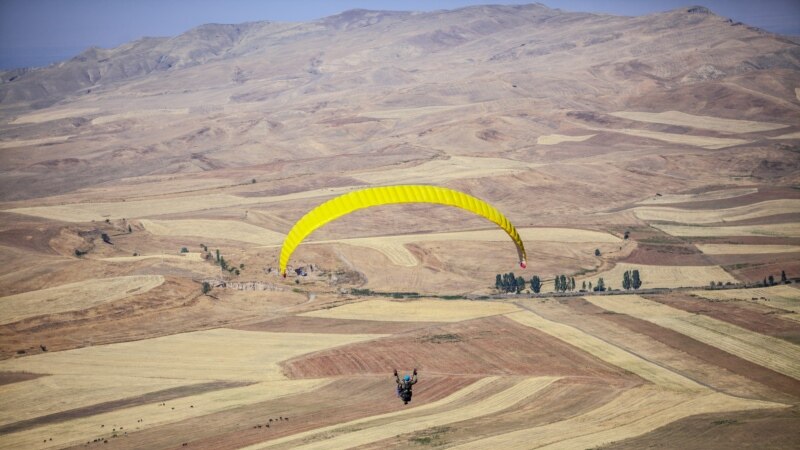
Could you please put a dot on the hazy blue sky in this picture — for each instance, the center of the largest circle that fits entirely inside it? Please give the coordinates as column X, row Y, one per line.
column 38, row 32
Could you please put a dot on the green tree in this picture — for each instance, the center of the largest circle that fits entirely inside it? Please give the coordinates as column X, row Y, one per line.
column 206, row 287
column 557, row 284
column 771, row 280
column 590, row 286
column 601, row 285
column 597, row 252
column 572, row 283
column 184, row 250
column 583, row 286
column 217, row 255
column 784, row 280
column 563, row 282
column 520, row 284
column 498, row 282
column 636, row 282
column 626, row 280
column 536, row 284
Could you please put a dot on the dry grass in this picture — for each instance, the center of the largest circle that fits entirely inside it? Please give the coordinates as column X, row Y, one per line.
column 661, row 276
column 440, row 171
column 706, row 196
column 214, row 229
column 782, row 297
column 742, row 249
column 705, row 122
column 74, row 296
column 553, row 139
column 79, row 431
column 701, row 216
column 219, row 354
column 767, row 351
column 53, row 114
column 85, row 212
column 632, row 413
column 656, row 374
column 190, row 257
column 795, row 135
column 394, row 246
column 775, row 230
column 143, row 113
column 34, row 142
column 455, row 408
column 424, row 310
column 711, row 143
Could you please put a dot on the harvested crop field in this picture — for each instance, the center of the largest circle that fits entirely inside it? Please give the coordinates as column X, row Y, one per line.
column 662, row 276
column 214, row 229
column 766, row 351
column 74, row 296
column 394, row 247
column 743, row 249
column 640, row 410
column 693, row 216
column 707, row 142
column 423, row 310
column 785, row 299
column 553, row 139
column 774, row 230
column 440, row 171
column 489, row 346
column 701, row 197
column 718, row 124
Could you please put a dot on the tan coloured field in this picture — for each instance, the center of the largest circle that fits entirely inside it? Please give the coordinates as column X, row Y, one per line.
column 660, row 276
column 86, row 212
column 217, row 354
column 189, row 257
column 654, row 373
column 706, row 196
column 424, row 310
column 632, row 413
column 701, row 216
column 711, row 143
column 34, row 398
column 411, row 113
column 795, row 135
column 214, row 229
column 776, row 230
column 782, row 297
column 416, row 420
column 53, row 114
column 705, row 122
column 80, row 430
column 440, row 171
column 34, row 142
column 74, row 296
column 394, row 246
column 767, row 351
column 743, row 249
column 553, row 139
column 146, row 113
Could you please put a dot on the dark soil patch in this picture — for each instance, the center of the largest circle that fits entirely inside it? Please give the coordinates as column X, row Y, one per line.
column 299, row 324
column 751, row 317
column 16, row 377
column 668, row 255
column 765, row 428
column 489, row 346
column 697, row 349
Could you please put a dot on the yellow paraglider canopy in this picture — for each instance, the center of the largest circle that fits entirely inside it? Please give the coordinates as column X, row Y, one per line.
column 384, row 195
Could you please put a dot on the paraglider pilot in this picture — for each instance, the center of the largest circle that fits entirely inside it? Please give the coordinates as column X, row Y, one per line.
column 404, row 385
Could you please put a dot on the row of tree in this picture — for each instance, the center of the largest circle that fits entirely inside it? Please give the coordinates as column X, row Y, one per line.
column 509, row 282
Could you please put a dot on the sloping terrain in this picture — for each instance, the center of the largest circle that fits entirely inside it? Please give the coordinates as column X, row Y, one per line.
column 145, row 191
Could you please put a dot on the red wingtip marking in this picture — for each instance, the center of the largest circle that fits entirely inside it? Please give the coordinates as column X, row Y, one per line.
column 523, row 264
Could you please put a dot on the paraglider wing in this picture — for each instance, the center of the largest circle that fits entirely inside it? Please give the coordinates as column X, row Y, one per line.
column 384, row 195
